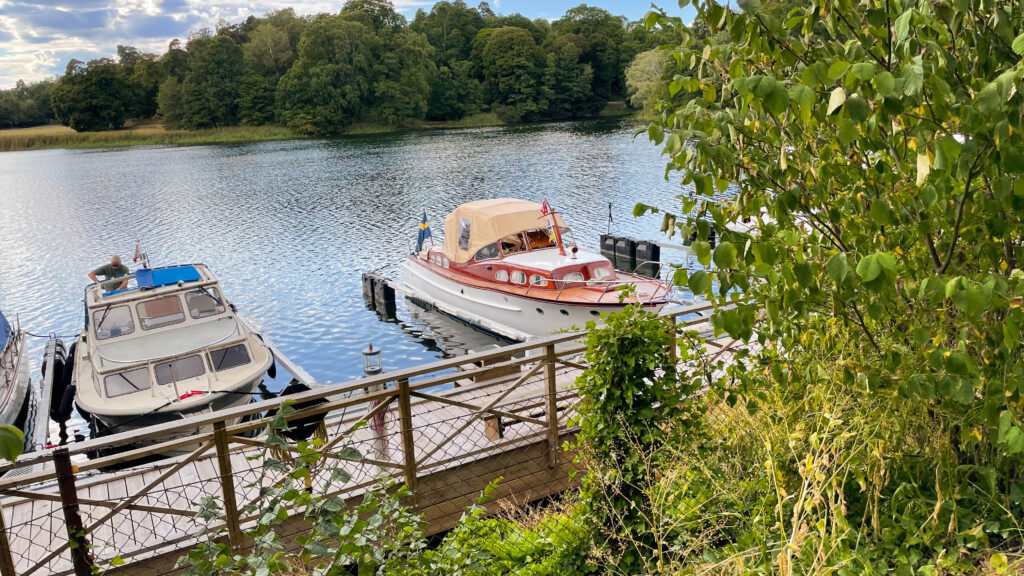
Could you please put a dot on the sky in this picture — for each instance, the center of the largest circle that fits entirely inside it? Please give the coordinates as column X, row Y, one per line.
column 38, row 37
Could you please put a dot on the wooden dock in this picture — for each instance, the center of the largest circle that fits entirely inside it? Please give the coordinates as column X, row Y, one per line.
column 445, row 429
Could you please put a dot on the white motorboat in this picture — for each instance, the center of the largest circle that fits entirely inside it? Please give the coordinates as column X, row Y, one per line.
column 512, row 267
column 166, row 347
column 14, row 374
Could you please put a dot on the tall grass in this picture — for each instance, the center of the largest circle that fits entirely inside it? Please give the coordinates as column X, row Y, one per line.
column 53, row 137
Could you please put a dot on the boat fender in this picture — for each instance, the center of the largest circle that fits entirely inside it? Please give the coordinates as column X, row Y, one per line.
column 302, row 428
column 66, row 405
column 272, row 371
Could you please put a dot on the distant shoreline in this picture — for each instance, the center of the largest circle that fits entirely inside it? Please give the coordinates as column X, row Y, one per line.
column 154, row 134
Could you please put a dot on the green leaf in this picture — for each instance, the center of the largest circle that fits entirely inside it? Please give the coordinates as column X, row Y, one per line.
column 884, row 83
column 835, row 100
column 836, row 70
column 703, row 252
column 857, row 108
column 903, row 26
column 998, row 560
column 837, row 268
column 12, row 443
column 913, row 78
column 868, row 268
column 749, row 5
column 777, row 100
column 863, row 70
column 698, row 282
column 656, row 134
column 848, row 131
column 725, row 255
column 1018, row 45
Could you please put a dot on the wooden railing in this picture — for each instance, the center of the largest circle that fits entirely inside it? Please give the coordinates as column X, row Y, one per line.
column 65, row 512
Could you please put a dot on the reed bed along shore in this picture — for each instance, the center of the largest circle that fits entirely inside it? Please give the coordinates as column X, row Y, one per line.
column 42, row 137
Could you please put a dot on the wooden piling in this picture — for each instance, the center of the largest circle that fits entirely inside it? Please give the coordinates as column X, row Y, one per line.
column 227, row 484
column 79, row 543
column 408, row 445
column 551, row 408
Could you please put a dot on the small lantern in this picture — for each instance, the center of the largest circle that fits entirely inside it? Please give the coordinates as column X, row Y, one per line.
column 372, row 363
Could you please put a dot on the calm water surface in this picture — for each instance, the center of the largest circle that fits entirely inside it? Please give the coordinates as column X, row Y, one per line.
column 289, row 226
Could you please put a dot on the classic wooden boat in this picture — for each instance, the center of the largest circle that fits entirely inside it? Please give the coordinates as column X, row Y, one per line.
column 14, row 374
column 167, row 347
column 513, row 267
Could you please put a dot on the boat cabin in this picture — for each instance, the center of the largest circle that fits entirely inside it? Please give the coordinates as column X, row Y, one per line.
column 512, row 242
column 171, row 326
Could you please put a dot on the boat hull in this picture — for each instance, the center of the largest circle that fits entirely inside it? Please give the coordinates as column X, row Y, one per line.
column 14, row 382
column 507, row 314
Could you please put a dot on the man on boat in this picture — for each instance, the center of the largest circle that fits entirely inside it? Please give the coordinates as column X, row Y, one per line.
column 109, row 272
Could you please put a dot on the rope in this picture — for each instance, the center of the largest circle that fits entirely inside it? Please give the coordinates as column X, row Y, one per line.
column 48, row 336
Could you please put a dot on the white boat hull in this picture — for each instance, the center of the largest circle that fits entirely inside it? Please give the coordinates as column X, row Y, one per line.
column 509, row 315
column 14, row 381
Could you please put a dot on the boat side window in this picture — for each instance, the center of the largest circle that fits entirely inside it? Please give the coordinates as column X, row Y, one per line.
column 179, row 369
column 568, row 240
column 518, row 277
column 228, row 358
column 512, row 244
column 160, row 312
column 539, row 239
column 127, row 382
column 203, row 303
column 501, row 275
column 487, row 252
column 601, row 272
column 113, row 322
column 444, row 262
column 463, row 234
column 538, row 280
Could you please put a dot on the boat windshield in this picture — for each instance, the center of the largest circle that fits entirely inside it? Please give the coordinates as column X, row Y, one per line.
column 204, row 302
column 127, row 382
column 160, row 312
column 179, row 369
column 113, row 321
column 512, row 244
column 542, row 238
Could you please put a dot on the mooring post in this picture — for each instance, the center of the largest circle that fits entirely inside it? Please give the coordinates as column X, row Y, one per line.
column 80, row 557
column 6, row 558
column 552, row 406
column 670, row 328
column 227, row 484
column 408, row 447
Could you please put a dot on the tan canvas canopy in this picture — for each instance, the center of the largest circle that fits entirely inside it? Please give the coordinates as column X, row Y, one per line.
column 489, row 221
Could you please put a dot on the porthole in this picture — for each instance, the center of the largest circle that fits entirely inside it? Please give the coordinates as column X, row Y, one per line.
column 540, row 311
column 444, row 262
column 564, row 312
column 595, row 313
column 538, row 280
column 501, row 275
column 518, row 277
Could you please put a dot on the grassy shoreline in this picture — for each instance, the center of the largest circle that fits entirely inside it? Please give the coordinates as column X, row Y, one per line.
column 57, row 137
column 51, row 137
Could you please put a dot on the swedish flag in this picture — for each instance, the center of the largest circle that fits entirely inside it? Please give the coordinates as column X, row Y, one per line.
column 424, row 234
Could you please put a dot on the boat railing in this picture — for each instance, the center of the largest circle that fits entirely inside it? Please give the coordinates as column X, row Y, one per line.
column 614, row 286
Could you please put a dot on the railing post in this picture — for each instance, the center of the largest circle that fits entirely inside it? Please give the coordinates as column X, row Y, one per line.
column 377, row 424
column 670, row 328
column 408, row 446
column 227, row 484
column 552, row 406
column 79, row 544
column 6, row 558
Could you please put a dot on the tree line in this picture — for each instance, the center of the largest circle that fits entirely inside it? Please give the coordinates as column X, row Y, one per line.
column 367, row 63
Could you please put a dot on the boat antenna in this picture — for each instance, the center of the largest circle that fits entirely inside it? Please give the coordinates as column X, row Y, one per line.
column 609, row 218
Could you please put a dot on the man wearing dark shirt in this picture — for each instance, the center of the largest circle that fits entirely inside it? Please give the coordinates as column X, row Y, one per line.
column 109, row 271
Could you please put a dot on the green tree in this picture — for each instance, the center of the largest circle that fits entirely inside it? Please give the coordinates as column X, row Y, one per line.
column 210, row 89
column 144, row 74
column 512, row 66
column 333, row 78
column 875, row 150
column 450, row 28
column 381, row 12
column 170, row 108
column 645, row 80
column 403, row 90
column 605, row 33
column 91, row 97
column 268, row 52
column 568, row 80
column 256, row 100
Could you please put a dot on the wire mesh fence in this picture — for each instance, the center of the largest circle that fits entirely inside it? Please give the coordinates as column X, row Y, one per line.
column 446, row 434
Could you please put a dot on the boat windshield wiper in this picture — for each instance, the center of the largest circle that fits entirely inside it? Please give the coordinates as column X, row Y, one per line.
column 207, row 292
column 104, row 317
column 130, row 383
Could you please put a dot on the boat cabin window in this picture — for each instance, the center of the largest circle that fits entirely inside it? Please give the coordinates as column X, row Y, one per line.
column 538, row 280
column 512, row 244
column 539, row 239
column 228, row 358
column 463, row 234
column 203, row 303
column 112, row 322
column 160, row 312
column 487, row 252
column 501, row 276
column 518, row 277
column 573, row 277
column 179, row 369
column 602, row 272
column 568, row 240
column 127, row 382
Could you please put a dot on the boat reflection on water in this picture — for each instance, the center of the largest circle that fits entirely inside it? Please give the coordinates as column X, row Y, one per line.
column 437, row 332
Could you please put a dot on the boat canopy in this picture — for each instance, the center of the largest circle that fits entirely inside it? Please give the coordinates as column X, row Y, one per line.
column 474, row 225
column 5, row 332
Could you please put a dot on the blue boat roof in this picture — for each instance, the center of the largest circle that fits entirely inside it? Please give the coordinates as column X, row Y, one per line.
column 5, row 331
column 152, row 278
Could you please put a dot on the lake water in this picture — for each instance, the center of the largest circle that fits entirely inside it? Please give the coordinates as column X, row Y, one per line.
column 288, row 227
